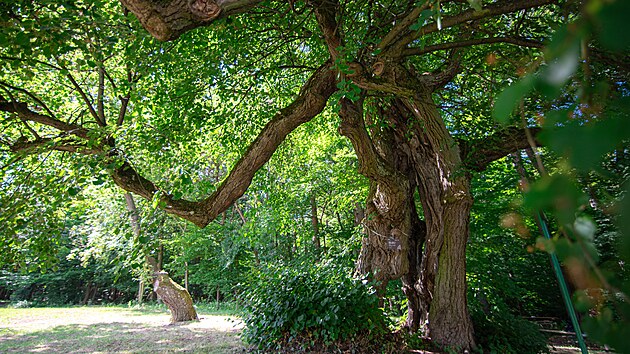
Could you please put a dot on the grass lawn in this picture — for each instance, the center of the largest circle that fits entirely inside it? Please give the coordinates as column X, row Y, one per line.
column 96, row 329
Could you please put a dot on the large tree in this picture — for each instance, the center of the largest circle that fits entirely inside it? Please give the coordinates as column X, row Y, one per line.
column 392, row 70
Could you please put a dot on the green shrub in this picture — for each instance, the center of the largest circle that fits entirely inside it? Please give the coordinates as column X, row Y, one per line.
column 308, row 303
column 22, row 304
column 502, row 332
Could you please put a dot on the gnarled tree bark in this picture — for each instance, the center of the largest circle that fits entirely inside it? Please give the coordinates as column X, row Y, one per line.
column 175, row 297
column 167, row 20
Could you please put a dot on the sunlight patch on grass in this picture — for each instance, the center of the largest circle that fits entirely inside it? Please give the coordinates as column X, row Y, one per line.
column 112, row 329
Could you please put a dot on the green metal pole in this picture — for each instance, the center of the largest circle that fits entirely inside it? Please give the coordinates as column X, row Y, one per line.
column 563, row 287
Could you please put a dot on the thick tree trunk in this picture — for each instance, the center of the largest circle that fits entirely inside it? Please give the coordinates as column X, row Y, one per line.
column 449, row 321
column 444, row 190
column 417, row 150
column 387, row 227
column 175, row 297
column 394, row 234
column 387, row 221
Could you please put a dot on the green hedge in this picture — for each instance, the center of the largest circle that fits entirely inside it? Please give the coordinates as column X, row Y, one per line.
column 308, row 303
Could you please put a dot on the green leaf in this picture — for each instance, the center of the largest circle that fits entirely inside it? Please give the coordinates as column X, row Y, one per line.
column 557, row 193
column 475, row 4
column 72, row 191
column 186, row 180
column 422, row 19
column 509, row 98
column 613, row 25
column 562, row 68
column 22, row 39
column 585, row 227
column 585, row 144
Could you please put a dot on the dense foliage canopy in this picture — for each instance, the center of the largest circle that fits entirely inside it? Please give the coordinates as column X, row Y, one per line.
column 414, row 139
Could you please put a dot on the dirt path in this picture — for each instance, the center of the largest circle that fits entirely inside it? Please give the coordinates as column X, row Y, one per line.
column 113, row 330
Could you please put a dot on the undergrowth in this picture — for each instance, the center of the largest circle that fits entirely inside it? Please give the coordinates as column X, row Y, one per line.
column 304, row 306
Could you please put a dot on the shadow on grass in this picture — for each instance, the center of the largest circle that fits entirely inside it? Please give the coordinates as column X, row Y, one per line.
column 119, row 337
column 224, row 309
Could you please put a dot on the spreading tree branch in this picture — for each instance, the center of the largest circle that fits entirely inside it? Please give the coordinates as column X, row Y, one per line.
column 85, row 98
column 523, row 42
column 479, row 153
column 326, row 12
column 29, row 94
column 310, row 102
column 495, row 9
column 442, row 77
column 23, row 112
column 403, row 25
column 58, row 144
column 167, row 20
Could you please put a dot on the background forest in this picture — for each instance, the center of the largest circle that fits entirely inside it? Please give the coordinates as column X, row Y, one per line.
column 112, row 136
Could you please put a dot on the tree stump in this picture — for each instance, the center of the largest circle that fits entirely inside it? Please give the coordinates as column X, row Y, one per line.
column 176, row 298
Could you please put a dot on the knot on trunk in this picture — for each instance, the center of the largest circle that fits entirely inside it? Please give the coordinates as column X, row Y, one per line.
column 205, row 10
column 378, row 68
column 155, row 24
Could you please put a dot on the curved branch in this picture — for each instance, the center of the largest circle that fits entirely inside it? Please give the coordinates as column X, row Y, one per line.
column 403, row 25
column 352, row 126
column 60, row 144
column 442, row 77
column 29, row 94
column 311, row 101
column 479, row 153
column 326, row 13
column 498, row 8
column 167, row 20
column 523, row 42
column 22, row 110
column 127, row 178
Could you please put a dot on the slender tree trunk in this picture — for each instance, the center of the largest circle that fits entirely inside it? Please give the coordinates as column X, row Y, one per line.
column 160, row 261
column 244, row 221
column 86, row 295
column 186, row 276
column 315, row 223
column 140, row 291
